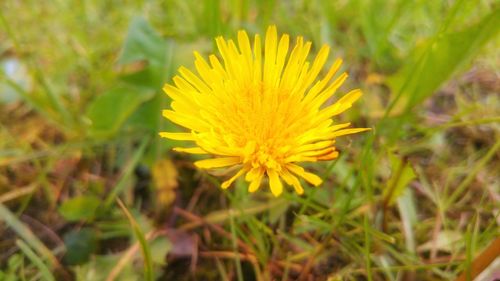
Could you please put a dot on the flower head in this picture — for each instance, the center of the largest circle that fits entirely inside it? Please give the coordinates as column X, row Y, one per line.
column 261, row 109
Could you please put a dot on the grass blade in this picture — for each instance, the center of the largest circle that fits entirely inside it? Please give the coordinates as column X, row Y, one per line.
column 146, row 251
column 472, row 175
column 127, row 172
column 27, row 235
column 235, row 248
column 33, row 257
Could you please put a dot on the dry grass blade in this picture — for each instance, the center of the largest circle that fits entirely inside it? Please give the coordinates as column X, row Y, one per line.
column 482, row 261
column 16, row 193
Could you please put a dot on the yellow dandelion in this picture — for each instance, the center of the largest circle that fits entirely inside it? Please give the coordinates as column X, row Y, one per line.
column 262, row 110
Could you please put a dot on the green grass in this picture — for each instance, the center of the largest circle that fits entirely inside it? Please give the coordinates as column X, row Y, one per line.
column 416, row 198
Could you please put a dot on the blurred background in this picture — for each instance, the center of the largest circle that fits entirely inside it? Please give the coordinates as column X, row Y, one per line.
column 88, row 190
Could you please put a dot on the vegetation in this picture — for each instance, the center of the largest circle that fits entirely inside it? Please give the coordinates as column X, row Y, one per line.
column 89, row 191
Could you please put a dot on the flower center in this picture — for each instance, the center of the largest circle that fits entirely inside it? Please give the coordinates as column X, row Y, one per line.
column 264, row 155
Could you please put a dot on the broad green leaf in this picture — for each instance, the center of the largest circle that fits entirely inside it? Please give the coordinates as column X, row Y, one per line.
column 148, row 115
column 133, row 100
column 80, row 208
column 80, row 245
column 142, row 43
column 435, row 60
column 402, row 175
column 109, row 111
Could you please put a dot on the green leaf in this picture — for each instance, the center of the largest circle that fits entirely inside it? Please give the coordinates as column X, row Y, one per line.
column 80, row 245
column 109, row 111
column 133, row 97
column 402, row 175
column 142, row 43
column 148, row 116
column 435, row 60
column 80, row 208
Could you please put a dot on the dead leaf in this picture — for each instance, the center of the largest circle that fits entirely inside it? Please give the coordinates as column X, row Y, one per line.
column 165, row 179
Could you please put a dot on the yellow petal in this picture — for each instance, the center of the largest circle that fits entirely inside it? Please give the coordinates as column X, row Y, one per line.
column 299, row 158
column 348, row 132
column 227, row 183
column 177, row 136
column 194, row 80
column 185, row 121
column 280, row 59
column 318, row 64
column 191, row 150
column 319, row 152
column 351, row 97
column 270, row 53
column 312, row 146
column 253, row 173
column 322, row 97
column 320, row 85
column 293, row 181
column 217, row 162
column 310, row 177
column 257, row 51
column 274, row 182
column 244, row 44
column 330, row 156
column 255, row 183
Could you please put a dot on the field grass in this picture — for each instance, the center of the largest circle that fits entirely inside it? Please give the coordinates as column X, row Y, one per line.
column 89, row 191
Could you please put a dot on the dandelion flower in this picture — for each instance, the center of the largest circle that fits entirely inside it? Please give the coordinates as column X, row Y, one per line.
column 261, row 110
